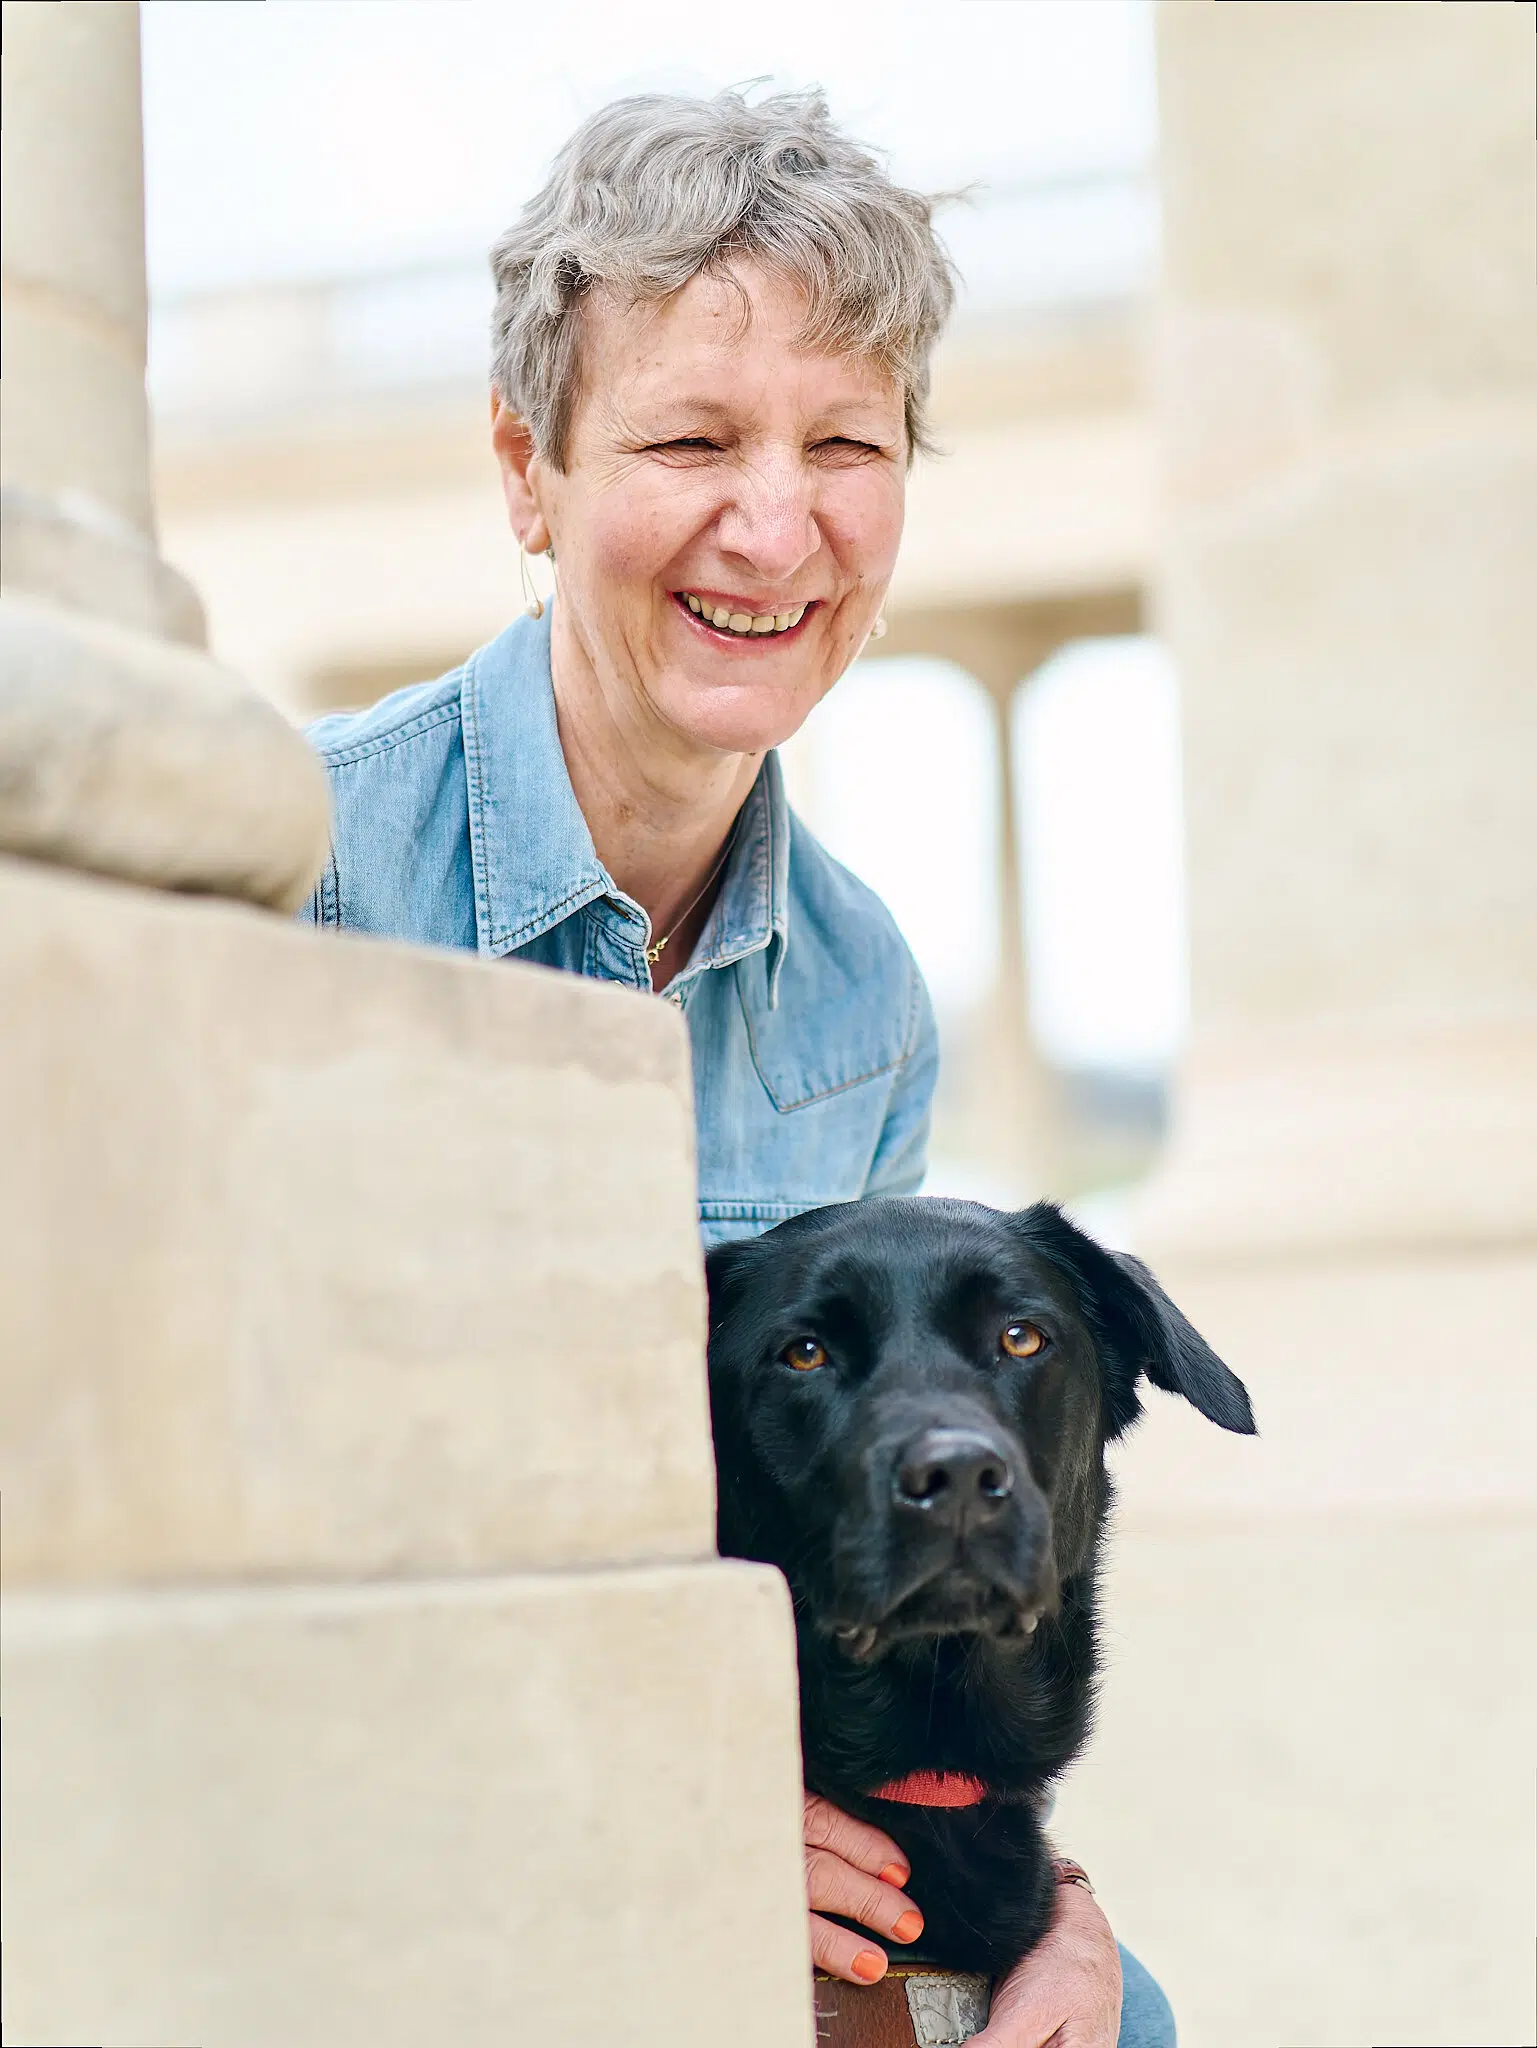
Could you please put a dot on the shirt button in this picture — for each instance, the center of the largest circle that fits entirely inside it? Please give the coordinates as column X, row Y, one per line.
column 674, row 998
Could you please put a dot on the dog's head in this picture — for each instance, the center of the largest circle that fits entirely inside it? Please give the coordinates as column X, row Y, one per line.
column 911, row 1400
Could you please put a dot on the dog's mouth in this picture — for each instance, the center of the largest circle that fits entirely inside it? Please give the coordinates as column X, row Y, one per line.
column 954, row 1605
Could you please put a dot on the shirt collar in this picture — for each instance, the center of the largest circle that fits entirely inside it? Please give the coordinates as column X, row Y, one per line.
column 533, row 857
column 752, row 909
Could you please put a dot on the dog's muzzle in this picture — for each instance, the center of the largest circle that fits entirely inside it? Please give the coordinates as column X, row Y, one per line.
column 945, row 1532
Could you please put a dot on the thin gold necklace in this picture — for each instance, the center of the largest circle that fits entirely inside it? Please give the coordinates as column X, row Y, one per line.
column 654, row 952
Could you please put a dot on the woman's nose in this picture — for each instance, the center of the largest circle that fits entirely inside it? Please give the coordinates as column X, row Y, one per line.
column 770, row 524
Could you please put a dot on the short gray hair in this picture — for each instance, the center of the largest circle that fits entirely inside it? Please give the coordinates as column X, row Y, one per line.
column 653, row 190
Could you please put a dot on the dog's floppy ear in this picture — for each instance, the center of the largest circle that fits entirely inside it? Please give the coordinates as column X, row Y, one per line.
column 1144, row 1330
column 1177, row 1357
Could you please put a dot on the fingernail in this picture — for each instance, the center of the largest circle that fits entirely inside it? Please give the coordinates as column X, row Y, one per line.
column 868, row 1966
column 895, row 1873
column 910, row 1926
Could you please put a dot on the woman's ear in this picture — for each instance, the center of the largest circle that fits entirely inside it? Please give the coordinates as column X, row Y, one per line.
column 520, row 464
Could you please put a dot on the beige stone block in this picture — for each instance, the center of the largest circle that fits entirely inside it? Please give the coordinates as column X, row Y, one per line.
column 1331, row 1140
column 126, row 755
column 1355, row 655
column 327, row 1256
column 560, row 1810
column 1308, row 1803
column 1380, row 1383
column 1361, row 175
column 71, row 554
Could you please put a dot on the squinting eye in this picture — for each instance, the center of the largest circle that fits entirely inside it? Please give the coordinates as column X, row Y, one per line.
column 1022, row 1340
column 805, row 1354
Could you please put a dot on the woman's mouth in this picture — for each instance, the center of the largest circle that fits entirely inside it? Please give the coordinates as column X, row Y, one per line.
column 740, row 625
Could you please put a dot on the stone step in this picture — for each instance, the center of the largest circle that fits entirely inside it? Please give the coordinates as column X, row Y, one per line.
column 327, row 1257
column 560, row 1808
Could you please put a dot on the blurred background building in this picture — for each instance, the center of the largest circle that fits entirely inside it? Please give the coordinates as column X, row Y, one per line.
column 1240, row 494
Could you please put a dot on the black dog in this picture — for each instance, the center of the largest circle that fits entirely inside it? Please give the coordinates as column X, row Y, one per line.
column 911, row 1401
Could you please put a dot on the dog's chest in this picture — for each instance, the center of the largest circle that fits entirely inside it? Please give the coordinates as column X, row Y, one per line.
column 1010, row 1721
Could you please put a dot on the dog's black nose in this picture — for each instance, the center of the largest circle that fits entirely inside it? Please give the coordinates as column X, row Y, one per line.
column 955, row 1476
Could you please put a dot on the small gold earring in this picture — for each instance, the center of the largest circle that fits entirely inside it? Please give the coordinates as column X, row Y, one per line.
column 535, row 601
column 878, row 630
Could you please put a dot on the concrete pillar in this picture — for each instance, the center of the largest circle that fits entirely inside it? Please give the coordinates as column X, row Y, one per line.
column 1350, row 405
column 123, row 747
column 1006, row 1114
column 1321, row 1693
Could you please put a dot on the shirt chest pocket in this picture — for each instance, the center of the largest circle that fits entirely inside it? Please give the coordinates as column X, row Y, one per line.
column 759, row 1164
column 825, row 1035
column 792, row 1101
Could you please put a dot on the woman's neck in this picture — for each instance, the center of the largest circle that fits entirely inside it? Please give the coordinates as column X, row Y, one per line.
column 659, row 809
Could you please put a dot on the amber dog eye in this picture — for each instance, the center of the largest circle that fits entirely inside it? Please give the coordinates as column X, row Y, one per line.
column 805, row 1354
column 1022, row 1340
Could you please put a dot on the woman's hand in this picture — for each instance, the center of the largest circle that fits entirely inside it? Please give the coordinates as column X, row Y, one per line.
column 855, row 1870
column 1067, row 1991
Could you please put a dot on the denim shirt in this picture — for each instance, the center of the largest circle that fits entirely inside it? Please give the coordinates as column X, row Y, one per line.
column 814, row 1050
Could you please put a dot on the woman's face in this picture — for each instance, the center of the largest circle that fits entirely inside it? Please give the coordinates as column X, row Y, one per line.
column 713, row 458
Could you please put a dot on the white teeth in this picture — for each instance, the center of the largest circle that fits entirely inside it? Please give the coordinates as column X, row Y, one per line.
column 743, row 622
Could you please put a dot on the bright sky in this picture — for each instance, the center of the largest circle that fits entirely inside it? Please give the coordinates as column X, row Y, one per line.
column 288, row 138
column 1096, row 759
column 895, row 770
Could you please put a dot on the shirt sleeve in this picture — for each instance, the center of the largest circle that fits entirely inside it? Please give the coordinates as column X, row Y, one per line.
column 902, row 1154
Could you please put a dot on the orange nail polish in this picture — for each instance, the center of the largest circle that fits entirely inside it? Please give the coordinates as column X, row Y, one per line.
column 910, row 1926
column 868, row 1967
column 895, row 1873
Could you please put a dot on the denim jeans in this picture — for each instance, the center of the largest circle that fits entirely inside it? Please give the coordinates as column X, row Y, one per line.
column 1146, row 2021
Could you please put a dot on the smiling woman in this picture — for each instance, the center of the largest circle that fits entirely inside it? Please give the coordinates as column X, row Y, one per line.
column 710, row 360
column 710, row 353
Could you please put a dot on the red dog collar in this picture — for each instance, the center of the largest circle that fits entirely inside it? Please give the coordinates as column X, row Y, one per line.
column 934, row 1788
